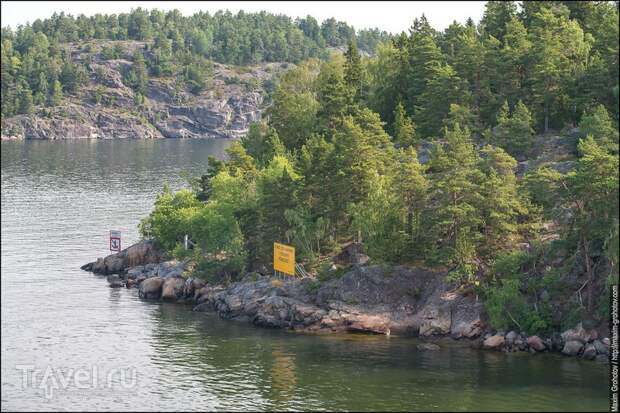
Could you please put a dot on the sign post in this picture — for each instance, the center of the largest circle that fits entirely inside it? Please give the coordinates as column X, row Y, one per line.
column 115, row 241
column 284, row 259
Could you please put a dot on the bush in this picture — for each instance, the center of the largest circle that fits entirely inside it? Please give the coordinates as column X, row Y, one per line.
column 218, row 242
column 505, row 301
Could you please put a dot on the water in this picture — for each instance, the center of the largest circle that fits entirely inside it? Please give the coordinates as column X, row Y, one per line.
column 60, row 199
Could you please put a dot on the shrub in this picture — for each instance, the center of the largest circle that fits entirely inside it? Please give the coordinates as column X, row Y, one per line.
column 218, row 242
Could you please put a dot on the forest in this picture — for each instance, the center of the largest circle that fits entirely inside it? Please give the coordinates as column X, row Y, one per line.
column 410, row 149
column 38, row 68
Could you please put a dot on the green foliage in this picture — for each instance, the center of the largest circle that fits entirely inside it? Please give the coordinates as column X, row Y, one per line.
column 514, row 131
column 506, row 300
column 294, row 110
column 404, row 129
column 599, row 125
column 320, row 170
column 212, row 227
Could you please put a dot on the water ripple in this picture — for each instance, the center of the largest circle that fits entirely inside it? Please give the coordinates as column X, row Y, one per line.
column 59, row 200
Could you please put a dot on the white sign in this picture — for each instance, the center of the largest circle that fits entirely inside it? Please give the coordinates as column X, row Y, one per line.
column 115, row 241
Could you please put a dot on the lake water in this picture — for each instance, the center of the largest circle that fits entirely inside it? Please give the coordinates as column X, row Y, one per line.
column 64, row 331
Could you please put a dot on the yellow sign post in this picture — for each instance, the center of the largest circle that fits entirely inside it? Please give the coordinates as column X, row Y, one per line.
column 284, row 258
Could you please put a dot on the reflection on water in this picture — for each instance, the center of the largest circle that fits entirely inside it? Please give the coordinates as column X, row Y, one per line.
column 58, row 202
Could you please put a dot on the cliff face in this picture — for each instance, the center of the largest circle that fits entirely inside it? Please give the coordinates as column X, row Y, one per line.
column 105, row 108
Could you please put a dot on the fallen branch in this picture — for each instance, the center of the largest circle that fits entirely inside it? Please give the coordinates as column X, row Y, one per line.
column 513, row 320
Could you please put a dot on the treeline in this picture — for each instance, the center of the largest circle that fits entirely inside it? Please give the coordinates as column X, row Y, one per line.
column 37, row 67
column 321, row 170
column 559, row 59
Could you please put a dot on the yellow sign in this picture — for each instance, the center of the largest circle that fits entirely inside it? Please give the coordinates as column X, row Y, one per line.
column 284, row 258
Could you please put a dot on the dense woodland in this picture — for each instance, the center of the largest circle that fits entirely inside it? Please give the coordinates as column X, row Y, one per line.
column 336, row 157
column 37, row 66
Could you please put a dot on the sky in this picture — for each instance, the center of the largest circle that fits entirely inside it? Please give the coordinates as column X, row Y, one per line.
column 391, row 16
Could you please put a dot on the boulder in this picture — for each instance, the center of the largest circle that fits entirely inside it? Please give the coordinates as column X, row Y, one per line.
column 572, row 348
column 511, row 337
column 466, row 318
column 151, row 288
column 557, row 344
column 135, row 272
column 172, row 289
column 115, row 281
column 589, row 352
column 593, row 335
column 436, row 320
column 495, row 342
column 600, row 347
column 536, row 343
column 140, row 253
column 576, row 334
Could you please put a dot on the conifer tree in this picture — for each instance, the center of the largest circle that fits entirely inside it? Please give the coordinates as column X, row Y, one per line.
column 353, row 75
column 599, row 125
column 55, row 96
column 24, row 95
column 404, row 129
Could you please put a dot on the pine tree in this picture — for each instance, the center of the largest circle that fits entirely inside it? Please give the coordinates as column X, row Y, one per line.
column 41, row 93
column 495, row 17
column 404, row 129
column 277, row 192
column 442, row 90
column 559, row 55
column 599, row 125
column 514, row 131
column 24, row 95
column 353, row 75
column 455, row 197
column 502, row 204
column 334, row 97
column 55, row 96
column 425, row 60
column 461, row 115
column 412, row 188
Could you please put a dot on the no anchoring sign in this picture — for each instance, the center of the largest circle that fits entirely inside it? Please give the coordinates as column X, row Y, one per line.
column 115, row 241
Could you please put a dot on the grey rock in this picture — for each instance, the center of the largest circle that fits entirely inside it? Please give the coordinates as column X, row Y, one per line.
column 576, row 334
column 572, row 348
column 495, row 342
column 138, row 254
column 589, row 352
column 534, row 342
column 151, row 288
column 172, row 289
column 600, row 347
column 511, row 337
column 115, row 281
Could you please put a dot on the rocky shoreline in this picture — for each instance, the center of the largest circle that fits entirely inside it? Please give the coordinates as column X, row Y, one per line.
column 105, row 107
column 368, row 298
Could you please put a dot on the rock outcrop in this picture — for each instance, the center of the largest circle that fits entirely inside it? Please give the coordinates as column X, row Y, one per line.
column 372, row 299
column 105, row 107
column 366, row 299
column 144, row 252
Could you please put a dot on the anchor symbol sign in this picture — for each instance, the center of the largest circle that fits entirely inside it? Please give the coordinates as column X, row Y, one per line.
column 115, row 241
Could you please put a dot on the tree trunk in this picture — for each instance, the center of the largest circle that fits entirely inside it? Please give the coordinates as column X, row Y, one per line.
column 546, row 117
column 589, row 273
